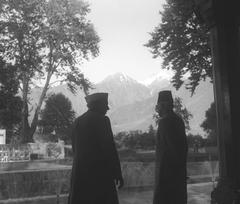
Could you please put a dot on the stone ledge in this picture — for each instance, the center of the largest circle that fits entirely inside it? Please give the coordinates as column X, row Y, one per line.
column 37, row 200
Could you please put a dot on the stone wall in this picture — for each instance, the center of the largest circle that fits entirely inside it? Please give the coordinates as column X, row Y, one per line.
column 23, row 184
column 31, row 183
column 43, row 182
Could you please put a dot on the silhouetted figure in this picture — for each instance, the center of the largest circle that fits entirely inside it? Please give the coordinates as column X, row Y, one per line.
column 171, row 154
column 195, row 146
column 96, row 168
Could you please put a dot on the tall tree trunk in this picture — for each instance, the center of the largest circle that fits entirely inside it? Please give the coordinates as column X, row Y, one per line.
column 24, row 119
column 38, row 108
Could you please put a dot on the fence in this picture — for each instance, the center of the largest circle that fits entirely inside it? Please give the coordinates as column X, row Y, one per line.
column 25, row 152
column 10, row 153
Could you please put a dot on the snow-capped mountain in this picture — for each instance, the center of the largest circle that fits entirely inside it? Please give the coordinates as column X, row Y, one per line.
column 132, row 103
column 158, row 81
column 122, row 90
column 163, row 75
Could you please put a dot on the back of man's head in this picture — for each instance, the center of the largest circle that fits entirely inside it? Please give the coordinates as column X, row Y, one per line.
column 165, row 97
column 164, row 103
column 97, row 101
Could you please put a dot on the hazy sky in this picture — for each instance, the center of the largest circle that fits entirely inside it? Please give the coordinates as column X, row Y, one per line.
column 124, row 26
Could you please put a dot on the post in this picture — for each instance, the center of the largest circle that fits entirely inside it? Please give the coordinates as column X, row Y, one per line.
column 225, row 52
column 3, row 136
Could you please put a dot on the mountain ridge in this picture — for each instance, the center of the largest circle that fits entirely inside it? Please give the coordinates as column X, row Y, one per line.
column 132, row 103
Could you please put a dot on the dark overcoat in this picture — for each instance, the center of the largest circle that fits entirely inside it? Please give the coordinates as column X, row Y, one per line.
column 95, row 162
column 171, row 157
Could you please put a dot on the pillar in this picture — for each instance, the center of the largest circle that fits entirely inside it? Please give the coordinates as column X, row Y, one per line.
column 226, row 71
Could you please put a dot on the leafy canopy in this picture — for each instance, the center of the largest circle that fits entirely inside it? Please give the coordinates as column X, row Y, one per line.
column 46, row 40
column 209, row 125
column 10, row 103
column 57, row 115
column 51, row 37
column 136, row 139
column 182, row 43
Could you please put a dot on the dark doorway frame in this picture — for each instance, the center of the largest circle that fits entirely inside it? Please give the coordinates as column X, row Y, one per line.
column 223, row 19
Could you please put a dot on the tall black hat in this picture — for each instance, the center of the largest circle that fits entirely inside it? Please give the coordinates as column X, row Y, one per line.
column 165, row 96
column 97, row 97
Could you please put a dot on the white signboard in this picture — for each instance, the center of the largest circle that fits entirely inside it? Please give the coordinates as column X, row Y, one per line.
column 2, row 136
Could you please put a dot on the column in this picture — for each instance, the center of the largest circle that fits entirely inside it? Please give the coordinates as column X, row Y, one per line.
column 225, row 52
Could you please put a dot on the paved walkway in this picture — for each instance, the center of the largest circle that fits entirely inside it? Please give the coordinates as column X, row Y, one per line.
column 197, row 194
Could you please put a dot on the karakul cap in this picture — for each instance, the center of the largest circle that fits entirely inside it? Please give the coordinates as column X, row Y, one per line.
column 165, row 96
column 101, row 97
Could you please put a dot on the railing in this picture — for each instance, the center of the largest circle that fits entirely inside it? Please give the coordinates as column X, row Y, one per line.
column 26, row 152
column 10, row 153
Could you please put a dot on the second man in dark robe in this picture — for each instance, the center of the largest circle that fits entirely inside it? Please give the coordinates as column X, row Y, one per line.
column 171, row 154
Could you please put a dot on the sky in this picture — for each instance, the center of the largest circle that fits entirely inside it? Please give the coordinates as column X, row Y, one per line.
column 123, row 27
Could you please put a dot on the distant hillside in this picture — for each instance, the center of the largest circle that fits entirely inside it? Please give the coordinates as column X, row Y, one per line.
column 135, row 116
column 132, row 103
column 139, row 115
column 122, row 90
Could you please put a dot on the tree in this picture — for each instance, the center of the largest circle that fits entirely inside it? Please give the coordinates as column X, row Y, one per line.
column 131, row 140
column 194, row 140
column 180, row 110
column 57, row 116
column 147, row 139
column 136, row 139
column 46, row 38
column 209, row 125
column 183, row 44
column 119, row 138
column 10, row 103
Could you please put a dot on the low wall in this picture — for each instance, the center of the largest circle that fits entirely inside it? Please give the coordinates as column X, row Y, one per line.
column 31, row 183
column 44, row 182
column 23, row 184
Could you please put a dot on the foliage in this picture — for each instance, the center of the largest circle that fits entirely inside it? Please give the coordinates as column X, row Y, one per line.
column 183, row 44
column 181, row 111
column 136, row 139
column 209, row 125
column 10, row 103
column 53, row 150
column 193, row 140
column 57, row 116
column 46, row 38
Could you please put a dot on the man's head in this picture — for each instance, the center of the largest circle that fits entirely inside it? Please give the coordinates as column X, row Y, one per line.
column 98, row 102
column 164, row 103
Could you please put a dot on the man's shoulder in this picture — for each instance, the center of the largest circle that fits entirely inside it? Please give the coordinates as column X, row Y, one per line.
column 92, row 116
column 89, row 118
column 175, row 116
column 81, row 117
column 171, row 119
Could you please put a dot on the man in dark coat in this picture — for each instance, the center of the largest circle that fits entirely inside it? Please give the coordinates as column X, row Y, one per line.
column 96, row 170
column 171, row 154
